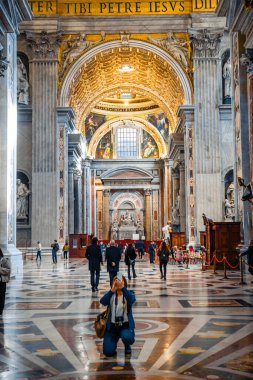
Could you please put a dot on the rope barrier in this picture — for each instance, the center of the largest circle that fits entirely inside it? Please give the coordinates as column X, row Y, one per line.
column 231, row 266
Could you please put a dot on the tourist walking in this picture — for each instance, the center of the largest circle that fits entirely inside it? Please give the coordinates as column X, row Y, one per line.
column 55, row 248
column 141, row 247
column 130, row 256
column 151, row 251
column 38, row 256
column 65, row 251
column 120, row 322
column 163, row 254
column 249, row 252
column 112, row 257
column 5, row 272
column 94, row 255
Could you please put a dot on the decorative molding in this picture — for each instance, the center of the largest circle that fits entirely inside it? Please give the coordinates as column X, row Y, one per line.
column 247, row 60
column 205, row 44
column 3, row 62
column 44, row 45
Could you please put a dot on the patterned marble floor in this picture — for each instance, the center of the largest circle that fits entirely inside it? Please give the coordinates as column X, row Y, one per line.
column 194, row 326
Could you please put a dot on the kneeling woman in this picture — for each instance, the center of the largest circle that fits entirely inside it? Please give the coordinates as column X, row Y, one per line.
column 120, row 323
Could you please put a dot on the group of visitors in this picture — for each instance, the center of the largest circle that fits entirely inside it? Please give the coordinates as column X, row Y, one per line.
column 55, row 248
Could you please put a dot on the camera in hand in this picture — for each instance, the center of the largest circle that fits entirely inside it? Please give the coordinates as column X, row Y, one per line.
column 119, row 321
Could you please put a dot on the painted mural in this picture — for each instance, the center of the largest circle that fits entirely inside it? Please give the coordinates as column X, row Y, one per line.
column 149, row 147
column 104, row 148
column 92, row 122
column 161, row 122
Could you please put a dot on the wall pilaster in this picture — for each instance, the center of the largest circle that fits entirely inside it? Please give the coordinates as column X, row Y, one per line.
column 87, row 196
column 147, row 205
column 8, row 147
column 207, row 160
column 45, row 152
column 182, row 196
column 106, row 221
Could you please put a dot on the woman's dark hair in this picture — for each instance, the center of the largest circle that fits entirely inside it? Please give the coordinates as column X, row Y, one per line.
column 1, row 253
column 94, row 240
column 129, row 248
column 163, row 246
column 123, row 279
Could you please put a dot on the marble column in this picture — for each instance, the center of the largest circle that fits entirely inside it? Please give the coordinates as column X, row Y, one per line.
column 175, row 186
column 147, row 205
column 247, row 60
column 166, row 191
column 87, row 196
column 207, row 155
column 182, row 196
column 8, row 146
column 71, row 199
column 186, row 115
column 77, row 202
column 106, row 221
column 242, row 148
column 45, row 204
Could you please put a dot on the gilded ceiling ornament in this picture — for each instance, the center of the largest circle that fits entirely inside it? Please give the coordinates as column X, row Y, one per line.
column 74, row 48
column 205, row 44
column 176, row 46
column 124, row 37
column 44, row 45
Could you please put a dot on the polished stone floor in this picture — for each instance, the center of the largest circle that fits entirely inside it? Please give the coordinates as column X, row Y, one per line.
column 194, row 326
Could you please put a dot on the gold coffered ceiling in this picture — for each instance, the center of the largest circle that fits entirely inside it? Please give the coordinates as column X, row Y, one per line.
column 102, row 76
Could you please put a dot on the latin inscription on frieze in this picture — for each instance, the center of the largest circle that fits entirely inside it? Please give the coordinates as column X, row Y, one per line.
column 120, row 8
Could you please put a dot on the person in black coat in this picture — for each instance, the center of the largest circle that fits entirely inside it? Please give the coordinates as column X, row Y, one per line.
column 94, row 255
column 249, row 252
column 112, row 256
column 130, row 256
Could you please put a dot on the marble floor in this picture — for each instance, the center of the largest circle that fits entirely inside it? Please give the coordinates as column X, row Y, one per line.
column 196, row 325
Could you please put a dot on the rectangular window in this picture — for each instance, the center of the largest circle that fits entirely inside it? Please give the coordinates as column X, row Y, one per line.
column 126, row 142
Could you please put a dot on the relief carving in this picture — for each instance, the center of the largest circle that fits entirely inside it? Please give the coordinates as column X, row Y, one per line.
column 74, row 48
column 22, row 83
column 176, row 46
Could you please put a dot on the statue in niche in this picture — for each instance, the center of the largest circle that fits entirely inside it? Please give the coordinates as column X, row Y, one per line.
column 127, row 219
column 22, row 83
column 115, row 229
column 229, row 210
column 176, row 46
column 175, row 216
column 230, row 202
column 227, row 80
column 22, row 200
column 75, row 48
column 230, row 193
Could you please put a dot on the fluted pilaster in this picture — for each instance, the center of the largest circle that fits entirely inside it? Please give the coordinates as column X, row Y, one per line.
column 87, row 196
column 45, row 204
column 147, row 205
column 182, row 196
column 207, row 153
column 106, row 222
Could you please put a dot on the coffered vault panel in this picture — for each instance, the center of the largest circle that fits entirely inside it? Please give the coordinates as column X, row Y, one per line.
column 151, row 74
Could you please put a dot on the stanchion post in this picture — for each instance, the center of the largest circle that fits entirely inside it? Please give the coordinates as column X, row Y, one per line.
column 241, row 270
column 203, row 262
column 225, row 267
column 214, row 264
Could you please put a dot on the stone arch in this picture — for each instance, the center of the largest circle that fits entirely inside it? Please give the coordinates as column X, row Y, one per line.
column 107, row 126
column 183, row 77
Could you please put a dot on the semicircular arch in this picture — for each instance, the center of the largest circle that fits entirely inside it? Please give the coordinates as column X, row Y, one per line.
column 69, row 78
column 108, row 125
column 143, row 90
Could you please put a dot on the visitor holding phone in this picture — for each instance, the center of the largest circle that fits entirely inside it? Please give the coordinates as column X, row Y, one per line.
column 120, row 323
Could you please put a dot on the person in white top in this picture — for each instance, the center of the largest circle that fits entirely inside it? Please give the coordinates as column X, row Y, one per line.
column 38, row 251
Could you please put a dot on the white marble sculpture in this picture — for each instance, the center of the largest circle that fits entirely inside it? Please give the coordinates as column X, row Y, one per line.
column 22, row 83
column 22, row 200
column 114, row 230
column 175, row 216
column 229, row 213
column 227, row 79
column 176, row 46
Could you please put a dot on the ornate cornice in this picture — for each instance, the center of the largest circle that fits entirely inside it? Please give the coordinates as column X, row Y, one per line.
column 205, row 43
column 44, row 46
column 247, row 60
column 3, row 62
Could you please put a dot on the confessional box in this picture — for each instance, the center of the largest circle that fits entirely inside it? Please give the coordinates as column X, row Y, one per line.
column 77, row 245
column 177, row 238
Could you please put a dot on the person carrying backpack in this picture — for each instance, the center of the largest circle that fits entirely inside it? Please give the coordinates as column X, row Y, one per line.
column 55, row 248
column 163, row 254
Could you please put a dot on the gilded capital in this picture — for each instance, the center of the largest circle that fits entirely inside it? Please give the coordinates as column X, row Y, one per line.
column 44, row 46
column 205, row 43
